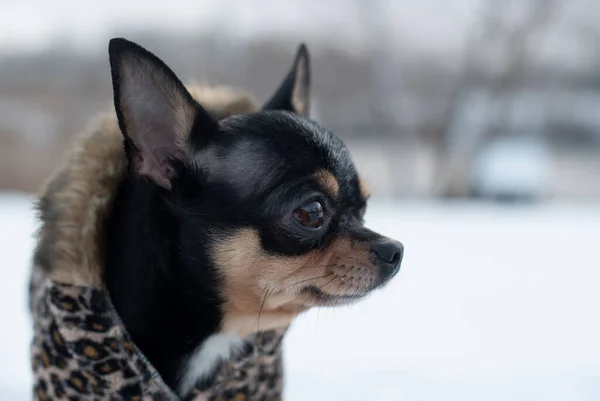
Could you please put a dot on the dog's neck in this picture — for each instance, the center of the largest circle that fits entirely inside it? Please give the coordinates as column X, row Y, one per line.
column 167, row 317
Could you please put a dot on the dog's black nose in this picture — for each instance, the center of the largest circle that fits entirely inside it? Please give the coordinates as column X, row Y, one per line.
column 389, row 253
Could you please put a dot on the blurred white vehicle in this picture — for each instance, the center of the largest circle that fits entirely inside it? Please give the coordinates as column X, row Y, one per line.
column 513, row 168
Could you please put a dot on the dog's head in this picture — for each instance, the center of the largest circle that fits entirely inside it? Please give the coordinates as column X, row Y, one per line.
column 270, row 204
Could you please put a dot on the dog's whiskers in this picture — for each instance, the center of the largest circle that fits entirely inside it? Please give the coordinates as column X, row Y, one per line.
column 262, row 305
column 305, row 280
column 326, row 284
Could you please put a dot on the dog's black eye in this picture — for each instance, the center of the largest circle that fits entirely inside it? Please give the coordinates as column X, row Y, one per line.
column 310, row 215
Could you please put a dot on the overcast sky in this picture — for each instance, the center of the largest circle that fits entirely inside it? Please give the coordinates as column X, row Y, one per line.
column 437, row 26
column 35, row 23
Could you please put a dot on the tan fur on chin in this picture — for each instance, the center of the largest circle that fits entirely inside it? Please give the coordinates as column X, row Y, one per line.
column 263, row 291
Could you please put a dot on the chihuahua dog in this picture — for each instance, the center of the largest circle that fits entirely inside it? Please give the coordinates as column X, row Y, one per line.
column 226, row 227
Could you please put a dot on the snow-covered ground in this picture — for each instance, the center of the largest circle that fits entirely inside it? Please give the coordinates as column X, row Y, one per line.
column 491, row 303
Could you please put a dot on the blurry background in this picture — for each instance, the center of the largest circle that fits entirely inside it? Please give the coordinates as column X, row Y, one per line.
column 437, row 99
column 482, row 102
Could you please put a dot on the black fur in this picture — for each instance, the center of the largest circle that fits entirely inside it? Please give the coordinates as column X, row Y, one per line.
column 282, row 98
column 245, row 171
column 159, row 272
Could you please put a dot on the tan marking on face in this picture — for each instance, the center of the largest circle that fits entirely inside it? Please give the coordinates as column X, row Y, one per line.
column 255, row 282
column 364, row 189
column 329, row 182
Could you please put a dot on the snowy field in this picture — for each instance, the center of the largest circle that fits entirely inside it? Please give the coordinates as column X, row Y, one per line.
column 491, row 303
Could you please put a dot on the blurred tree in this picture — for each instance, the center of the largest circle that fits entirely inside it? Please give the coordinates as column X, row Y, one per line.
column 501, row 31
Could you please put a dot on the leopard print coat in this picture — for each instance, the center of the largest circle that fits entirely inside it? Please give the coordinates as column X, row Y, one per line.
column 80, row 349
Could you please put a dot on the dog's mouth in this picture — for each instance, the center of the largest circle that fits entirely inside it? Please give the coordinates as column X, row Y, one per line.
column 325, row 298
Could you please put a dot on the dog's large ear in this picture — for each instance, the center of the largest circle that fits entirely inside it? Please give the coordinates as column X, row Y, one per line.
column 156, row 113
column 293, row 93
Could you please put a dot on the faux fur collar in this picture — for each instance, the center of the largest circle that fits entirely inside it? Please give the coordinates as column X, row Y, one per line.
column 75, row 202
